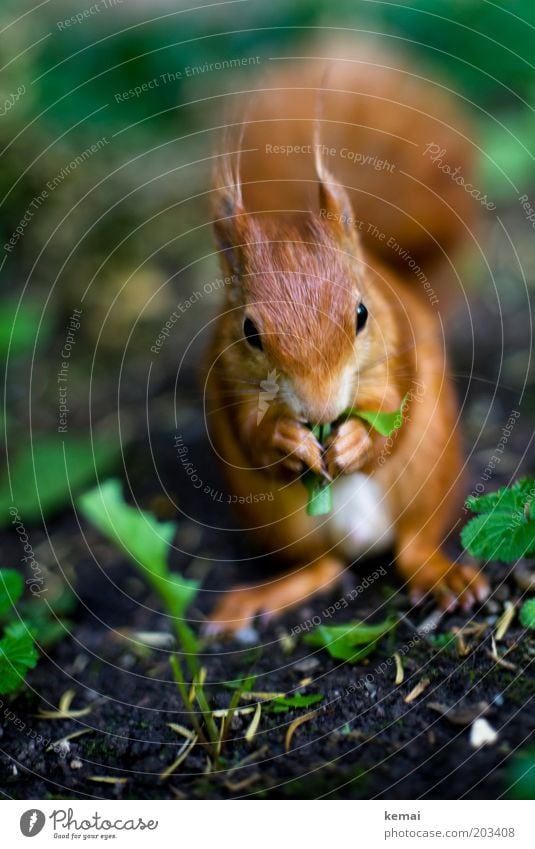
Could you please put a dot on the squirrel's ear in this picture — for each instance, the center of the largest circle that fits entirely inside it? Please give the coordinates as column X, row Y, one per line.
column 227, row 209
column 335, row 207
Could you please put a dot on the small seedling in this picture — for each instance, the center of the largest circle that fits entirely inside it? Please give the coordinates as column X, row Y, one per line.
column 320, row 496
column 351, row 642
column 146, row 542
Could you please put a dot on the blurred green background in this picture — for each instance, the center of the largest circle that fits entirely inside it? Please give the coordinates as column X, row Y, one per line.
column 107, row 235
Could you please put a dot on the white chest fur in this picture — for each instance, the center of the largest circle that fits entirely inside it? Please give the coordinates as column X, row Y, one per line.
column 360, row 522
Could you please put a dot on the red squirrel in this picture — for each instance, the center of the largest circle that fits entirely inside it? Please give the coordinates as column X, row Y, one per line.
column 334, row 217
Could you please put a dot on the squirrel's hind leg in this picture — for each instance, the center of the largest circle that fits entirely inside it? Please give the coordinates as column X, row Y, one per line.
column 428, row 571
column 239, row 606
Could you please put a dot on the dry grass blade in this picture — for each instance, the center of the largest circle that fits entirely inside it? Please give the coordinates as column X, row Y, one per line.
column 400, row 672
column 504, row 622
column 253, row 695
column 64, row 711
column 253, row 727
column 63, row 740
column 292, row 728
column 462, row 648
column 460, row 715
column 249, row 759
column 222, row 712
column 198, row 682
column 420, row 688
column 106, row 779
column 154, row 639
column 500, row 660
column 182, row 755
column 182, row 730
column 236, row 786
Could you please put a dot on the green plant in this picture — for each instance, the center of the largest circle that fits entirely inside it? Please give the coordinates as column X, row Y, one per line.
column 273, row 702
column 282, row 704
column 527, row 614
column 521, row 774
column 26, row 621
column 350, row 642
column 505, row 528
column 17, row 648
column 320, row 497
column 36, row 489
column 146, row 542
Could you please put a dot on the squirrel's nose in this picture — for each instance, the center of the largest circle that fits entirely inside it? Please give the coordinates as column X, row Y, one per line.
column 324, row 404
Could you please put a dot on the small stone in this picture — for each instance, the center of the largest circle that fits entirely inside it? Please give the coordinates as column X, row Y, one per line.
column 247, row 636
column 76, row 764
column 307, row 664
column 482, row 734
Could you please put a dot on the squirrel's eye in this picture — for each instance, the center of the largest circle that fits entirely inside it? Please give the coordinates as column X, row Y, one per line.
column 251, row 334
column 362, row 317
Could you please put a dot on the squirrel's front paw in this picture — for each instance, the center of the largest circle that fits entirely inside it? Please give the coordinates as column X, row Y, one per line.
column 291, row 444
column 348, row 448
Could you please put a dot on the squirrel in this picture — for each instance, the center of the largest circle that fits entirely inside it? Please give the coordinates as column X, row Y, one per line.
column 335, row 213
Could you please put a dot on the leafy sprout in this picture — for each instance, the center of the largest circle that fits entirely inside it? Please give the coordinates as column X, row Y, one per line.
column 146, row 543
column 351, row 642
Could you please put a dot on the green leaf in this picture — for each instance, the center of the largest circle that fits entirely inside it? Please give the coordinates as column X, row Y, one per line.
column 503, row 531
column 442, row 641
column 521, row 775
column 282, row 704
column 527, row 614
column 320, row 494
column 494, row 537
column 146, row 542
column 19, row 325
column 144, row 539
column 507, row 499
column 11, row 589
column 17, row 655
column 351, row 642
column 46, row 475
column 383, row 423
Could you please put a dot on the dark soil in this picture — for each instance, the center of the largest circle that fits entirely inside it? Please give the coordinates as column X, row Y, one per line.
column 364, row 740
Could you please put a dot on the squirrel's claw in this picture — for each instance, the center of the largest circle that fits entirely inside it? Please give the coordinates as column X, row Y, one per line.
column 458, row 586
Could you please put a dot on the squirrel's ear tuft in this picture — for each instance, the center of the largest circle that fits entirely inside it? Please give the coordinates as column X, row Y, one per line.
column 227, row 209
column 335, row 207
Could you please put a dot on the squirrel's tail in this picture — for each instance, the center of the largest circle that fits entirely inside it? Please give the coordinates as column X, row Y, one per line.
column 395, row 139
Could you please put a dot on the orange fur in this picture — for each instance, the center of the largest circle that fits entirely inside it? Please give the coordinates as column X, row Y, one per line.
column 286, row 231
